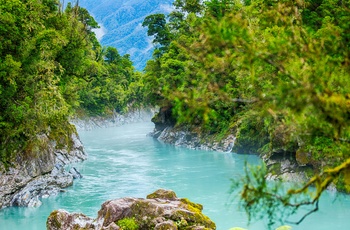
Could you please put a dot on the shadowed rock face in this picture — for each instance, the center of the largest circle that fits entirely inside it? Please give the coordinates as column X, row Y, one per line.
column 186, row 136
column 160, row 210
column 28, row 181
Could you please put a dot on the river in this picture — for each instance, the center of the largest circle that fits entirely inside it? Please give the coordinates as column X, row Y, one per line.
column 123, row 161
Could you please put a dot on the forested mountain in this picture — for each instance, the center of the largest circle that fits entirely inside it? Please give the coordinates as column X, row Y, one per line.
column 121, row 22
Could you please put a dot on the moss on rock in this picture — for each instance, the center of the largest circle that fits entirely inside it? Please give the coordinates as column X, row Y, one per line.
column 162, row 211
column 162, row 194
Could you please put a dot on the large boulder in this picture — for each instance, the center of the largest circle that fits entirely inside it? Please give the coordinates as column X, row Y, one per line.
column 160, row 210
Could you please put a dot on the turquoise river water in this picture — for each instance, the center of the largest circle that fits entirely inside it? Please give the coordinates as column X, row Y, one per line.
column 123, row 161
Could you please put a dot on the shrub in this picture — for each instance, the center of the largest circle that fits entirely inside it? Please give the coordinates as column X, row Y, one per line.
column 128, row 224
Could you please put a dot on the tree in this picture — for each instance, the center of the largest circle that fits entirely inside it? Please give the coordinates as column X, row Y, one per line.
column 189, row 6
column 112, row 55
column 218, row 8
column 275, row 73
column 51, row 65
column 28, row 49
column 157, row 27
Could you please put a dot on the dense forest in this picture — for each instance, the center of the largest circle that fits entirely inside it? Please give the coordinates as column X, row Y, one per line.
column 51, row 68
column 275, row 73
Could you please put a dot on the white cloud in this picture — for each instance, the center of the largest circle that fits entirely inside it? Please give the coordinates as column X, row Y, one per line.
column 166, row 8
column 100, row 32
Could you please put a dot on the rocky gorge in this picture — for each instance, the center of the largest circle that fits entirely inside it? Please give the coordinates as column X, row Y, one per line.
column 66, row 220
column 26, row 183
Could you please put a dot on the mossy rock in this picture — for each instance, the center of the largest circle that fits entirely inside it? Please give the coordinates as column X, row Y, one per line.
column 162, row 194
column 166, row 225
column 54, row 220
column 61, row 220
column 191, row 204
column 161, row 210
column 303, row 157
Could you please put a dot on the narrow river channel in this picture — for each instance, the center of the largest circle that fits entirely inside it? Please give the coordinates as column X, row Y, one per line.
column 123, row 161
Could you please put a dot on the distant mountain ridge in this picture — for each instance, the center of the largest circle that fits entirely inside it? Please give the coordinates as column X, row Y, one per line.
column 121, row 22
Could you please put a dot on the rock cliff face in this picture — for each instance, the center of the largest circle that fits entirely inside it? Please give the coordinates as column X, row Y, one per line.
column 28, row 181
column 187, row 138
column 165, row 131
column 161, row 210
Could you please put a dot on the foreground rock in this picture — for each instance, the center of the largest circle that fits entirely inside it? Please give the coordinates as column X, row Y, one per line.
column 30, row 180
column 161, row 210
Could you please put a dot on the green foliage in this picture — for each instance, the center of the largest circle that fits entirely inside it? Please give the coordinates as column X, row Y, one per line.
column 284, row 227
column 52, row 65
column 113, row 85
column 128, row 224
column 261, row 198
column 31, row 101
column 158, row 28
column 276, row 72
column 121, row 22
column 189, row 6
column 252, row 133
column 181, row 224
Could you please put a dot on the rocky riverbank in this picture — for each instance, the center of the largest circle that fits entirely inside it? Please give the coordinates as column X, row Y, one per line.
column 185, row 136
column 282, row 163
column 27, row 181
column 160, row 210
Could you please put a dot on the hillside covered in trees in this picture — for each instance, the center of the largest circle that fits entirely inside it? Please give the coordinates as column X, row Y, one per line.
column 275, row 73
column 52, row 67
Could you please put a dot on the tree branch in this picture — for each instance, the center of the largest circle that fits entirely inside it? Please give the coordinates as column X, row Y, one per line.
column 306, row 215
